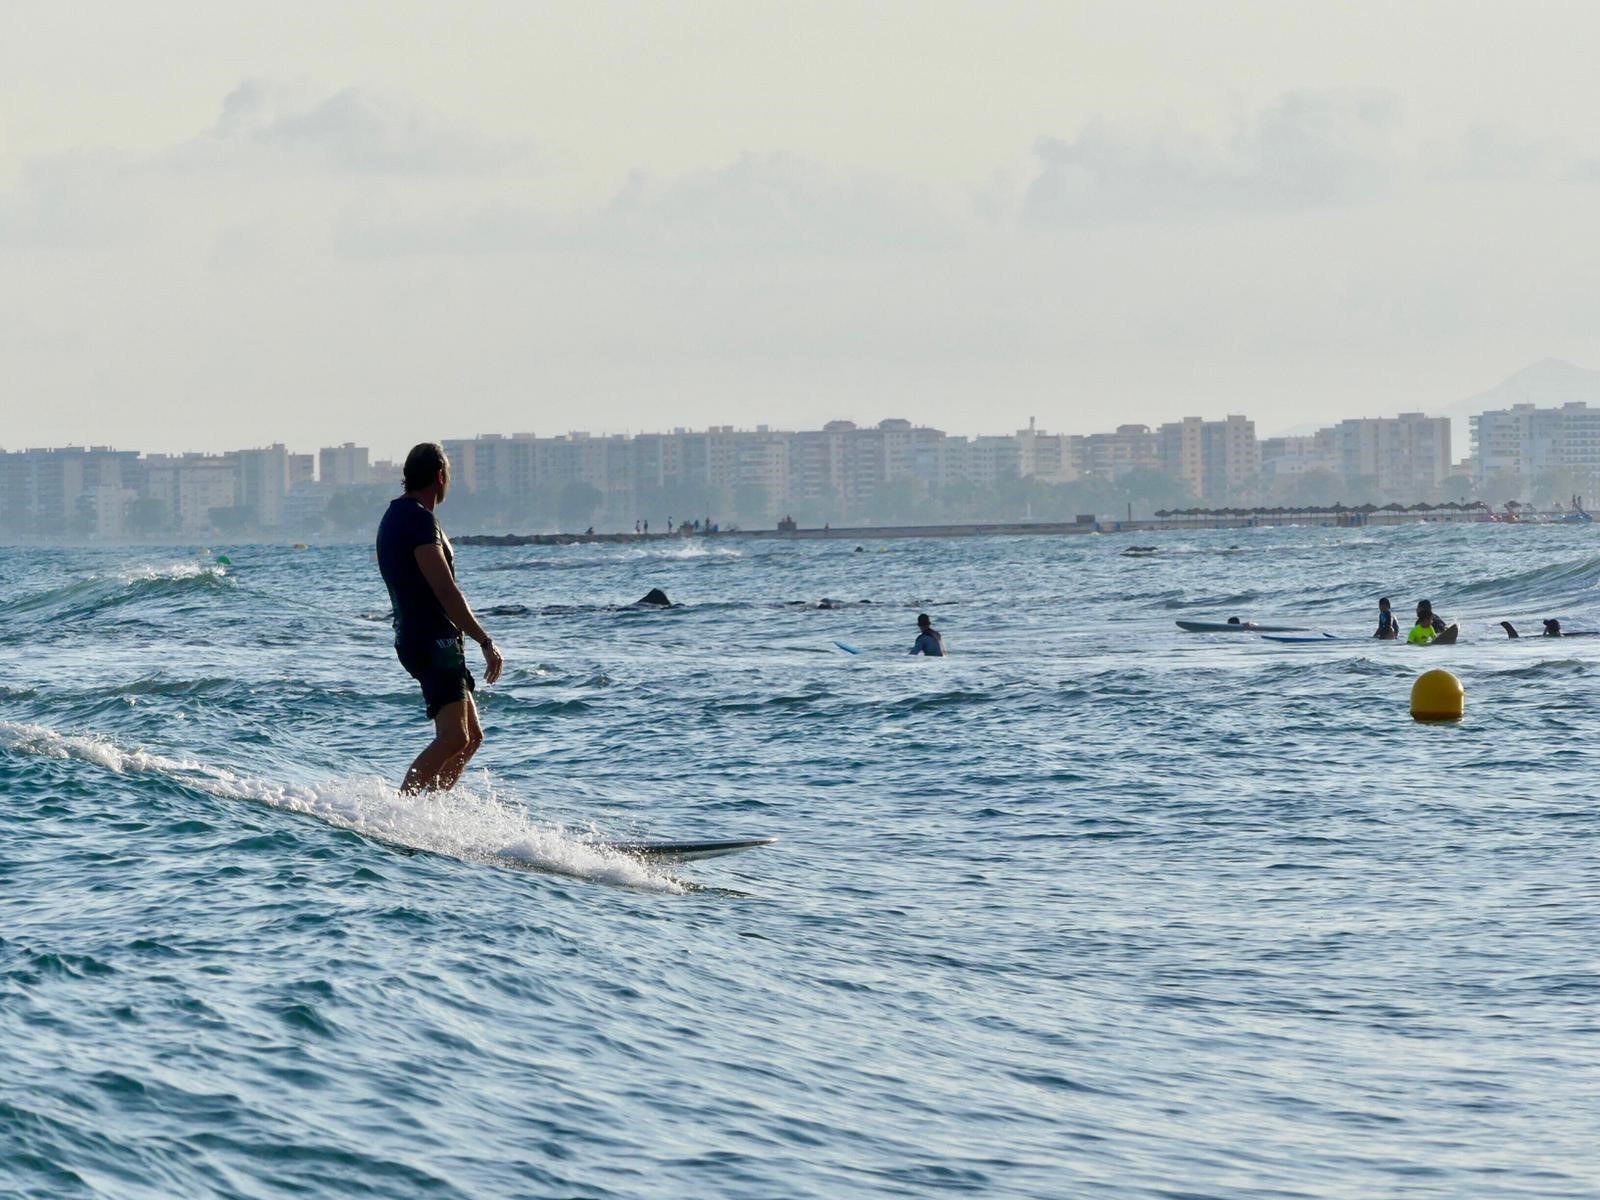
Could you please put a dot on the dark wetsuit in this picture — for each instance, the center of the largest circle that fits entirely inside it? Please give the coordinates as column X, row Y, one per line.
column 1388, row 627
column 930, row 643
column 426, row 641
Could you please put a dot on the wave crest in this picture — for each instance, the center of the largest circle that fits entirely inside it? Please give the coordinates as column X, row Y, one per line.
column 464, row 824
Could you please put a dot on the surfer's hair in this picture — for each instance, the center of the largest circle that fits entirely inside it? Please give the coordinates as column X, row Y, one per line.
column 423, row 465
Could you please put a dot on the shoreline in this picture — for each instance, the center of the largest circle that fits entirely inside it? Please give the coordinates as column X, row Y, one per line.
column 1327, row 519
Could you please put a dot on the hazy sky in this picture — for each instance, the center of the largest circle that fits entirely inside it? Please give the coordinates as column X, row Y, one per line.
column 229, row 224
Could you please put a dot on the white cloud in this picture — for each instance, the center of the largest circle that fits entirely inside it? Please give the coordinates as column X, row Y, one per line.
column 1488, row 152
column 762, row 204
column 779, row 202
column 350, row 130
column 339, row 261
column 72, row 202
column 1307, row 150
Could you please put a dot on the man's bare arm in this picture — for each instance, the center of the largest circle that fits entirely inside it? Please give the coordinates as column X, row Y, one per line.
column 436, row 571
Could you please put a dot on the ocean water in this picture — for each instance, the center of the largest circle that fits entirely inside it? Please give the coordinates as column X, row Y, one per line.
column 1090, row 908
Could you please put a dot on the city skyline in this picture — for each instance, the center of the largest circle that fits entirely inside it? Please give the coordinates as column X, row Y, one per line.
column 893, row 471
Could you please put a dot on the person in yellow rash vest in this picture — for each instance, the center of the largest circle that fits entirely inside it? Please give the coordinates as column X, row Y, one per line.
column 1430, row 628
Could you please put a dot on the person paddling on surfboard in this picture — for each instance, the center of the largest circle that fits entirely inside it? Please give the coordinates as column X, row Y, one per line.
column 1430, row 629
column 430, row 617
column 929, row 641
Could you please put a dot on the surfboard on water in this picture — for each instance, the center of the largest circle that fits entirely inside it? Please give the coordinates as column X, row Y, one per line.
column 677, row 852
column 1315, row 638
column 847, row 647
column 1242, row 627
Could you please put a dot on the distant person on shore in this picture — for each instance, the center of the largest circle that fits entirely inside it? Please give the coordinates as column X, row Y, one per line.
column 1388, row 627
column 929, row 641
column 430, row 616
column 1430, row 628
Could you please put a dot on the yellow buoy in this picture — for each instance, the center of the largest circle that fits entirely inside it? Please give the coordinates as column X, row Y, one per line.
column 1437, row 695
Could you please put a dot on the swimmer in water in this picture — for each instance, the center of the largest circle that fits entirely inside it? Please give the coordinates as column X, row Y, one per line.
column 929, row 641
column 1388, row 627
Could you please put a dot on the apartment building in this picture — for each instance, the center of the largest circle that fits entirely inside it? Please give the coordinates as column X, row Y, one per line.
column 1217, row 459
column 70, row 491
column 343, row 466
column 1113, row 455
column 189, row 486
column 264, row 481
column 1523, row 442
column 1407, row 455
column 1051, row 457
column 1290, row 457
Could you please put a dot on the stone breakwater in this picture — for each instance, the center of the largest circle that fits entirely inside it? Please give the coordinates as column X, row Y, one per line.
column 1243, row 520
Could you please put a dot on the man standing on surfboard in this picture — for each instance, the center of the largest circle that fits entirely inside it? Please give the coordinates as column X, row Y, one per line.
column 430, row 617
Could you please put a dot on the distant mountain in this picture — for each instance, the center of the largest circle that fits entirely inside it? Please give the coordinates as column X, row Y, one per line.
column 1546, row 384
column 1549, row 383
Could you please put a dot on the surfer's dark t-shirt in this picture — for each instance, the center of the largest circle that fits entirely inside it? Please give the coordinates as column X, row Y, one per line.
column 418, row 616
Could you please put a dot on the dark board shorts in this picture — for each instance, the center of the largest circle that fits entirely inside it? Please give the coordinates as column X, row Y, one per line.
column 441, row 668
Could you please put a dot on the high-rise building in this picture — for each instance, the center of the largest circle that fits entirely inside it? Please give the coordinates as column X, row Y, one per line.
column 1523, row 442
column 1290, row 457
column 1113, row 455
column 190, row 486
column 1217, row 459
column 263, row 483
column 344, row 465
column 1405, row 456
column 74, row 491
column 1051, row 457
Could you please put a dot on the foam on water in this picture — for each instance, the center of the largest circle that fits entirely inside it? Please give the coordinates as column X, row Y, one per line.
column 476, row 826
column 177, row 570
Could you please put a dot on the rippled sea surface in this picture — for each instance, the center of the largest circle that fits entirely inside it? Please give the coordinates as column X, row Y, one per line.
column 1090, row 908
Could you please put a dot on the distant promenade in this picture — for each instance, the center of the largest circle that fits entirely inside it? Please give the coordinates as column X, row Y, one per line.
column 1235, row 519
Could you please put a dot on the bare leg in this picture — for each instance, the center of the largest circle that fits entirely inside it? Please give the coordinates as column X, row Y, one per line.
column 450, row 738
column 451, row 771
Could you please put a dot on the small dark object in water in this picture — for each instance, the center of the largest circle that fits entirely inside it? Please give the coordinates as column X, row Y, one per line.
column 656, row 598
column 1139, row 551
